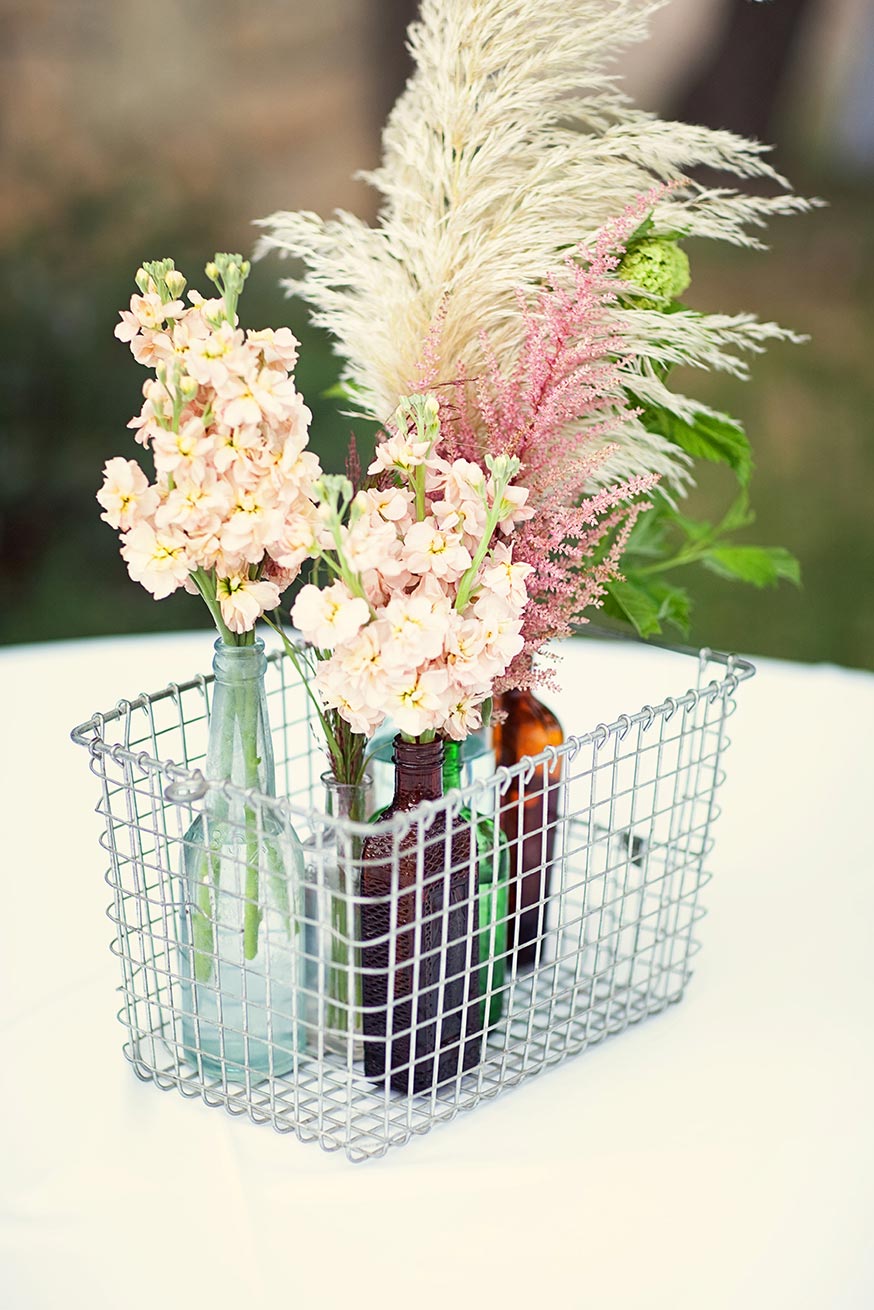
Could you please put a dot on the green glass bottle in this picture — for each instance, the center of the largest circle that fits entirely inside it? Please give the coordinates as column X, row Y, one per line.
column 493, row 874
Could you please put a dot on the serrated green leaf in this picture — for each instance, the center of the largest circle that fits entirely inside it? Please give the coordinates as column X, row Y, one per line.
column 738, row 516
column 692, row 529
column 762, row 566
column 633, row 603
column 714, row 437
column 647, row 537
column 675, row 604
column 642, row 230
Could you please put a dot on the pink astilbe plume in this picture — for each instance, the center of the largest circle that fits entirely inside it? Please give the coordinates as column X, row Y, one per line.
column 556, row 410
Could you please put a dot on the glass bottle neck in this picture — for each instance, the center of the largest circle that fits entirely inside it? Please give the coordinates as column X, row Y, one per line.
column 418, row 772
column 346, row 800
column 240, row 749
column 451, row 765
column 528, row 727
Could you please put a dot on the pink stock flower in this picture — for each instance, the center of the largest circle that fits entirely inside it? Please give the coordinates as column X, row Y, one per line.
column 428, row 549
column 197, row 506
column 361, row 660
column 399, row 453
column 146, row 314
column 338, row 693
column 235, row 449
column 413, row 629
column 418, row 701
column 243, row 600
column 328, row 618
column 393, row 504
column 262, row 395
column 277, row 346
column 254, row 519
column 214, row 357
column 464, row 716
column 126, row 495
column 296, row 537
column 157, row 558
column 505, row 576
column 464, row 646
column 438, row 626
column 372, row 543
column 184, row 451
column 156, row 414
column 232, row 500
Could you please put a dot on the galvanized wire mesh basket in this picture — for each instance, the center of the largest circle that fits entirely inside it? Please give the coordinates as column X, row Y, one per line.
column 435, row 999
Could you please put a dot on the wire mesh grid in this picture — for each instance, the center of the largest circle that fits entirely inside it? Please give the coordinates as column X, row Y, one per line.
column 355, row 984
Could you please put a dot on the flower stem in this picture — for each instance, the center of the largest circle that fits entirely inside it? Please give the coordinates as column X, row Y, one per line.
column 247, row 715
column 465, row 586
column 205, row 584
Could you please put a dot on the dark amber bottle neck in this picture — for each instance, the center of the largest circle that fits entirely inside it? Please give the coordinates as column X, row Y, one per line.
column 528, row 727
column 418, row 772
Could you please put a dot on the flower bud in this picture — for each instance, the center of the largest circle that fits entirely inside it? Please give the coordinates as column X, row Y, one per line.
column 175, row 283
column 656, row 265
column 187, row 387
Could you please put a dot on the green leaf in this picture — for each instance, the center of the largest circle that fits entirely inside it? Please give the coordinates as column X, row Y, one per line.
column 647, row 604
column 692, row 529
column 763, row 566
column 633, row 603
column 647, row 537
column 739, row 515
column 675, row 604
column 643, row 230
column 714, row 437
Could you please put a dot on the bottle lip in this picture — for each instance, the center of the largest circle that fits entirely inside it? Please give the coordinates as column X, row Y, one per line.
column 221, row 647
column 234, row 664
column 423, row 754
column 328, row 780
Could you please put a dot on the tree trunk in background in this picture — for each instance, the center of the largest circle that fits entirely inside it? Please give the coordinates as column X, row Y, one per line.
column 739, row 84
column 390, row 23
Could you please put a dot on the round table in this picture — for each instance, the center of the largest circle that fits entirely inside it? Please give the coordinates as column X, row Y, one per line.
column 719, row 1156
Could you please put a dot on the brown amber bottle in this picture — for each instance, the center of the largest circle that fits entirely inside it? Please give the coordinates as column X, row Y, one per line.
column 419, row 934
column 529, row 822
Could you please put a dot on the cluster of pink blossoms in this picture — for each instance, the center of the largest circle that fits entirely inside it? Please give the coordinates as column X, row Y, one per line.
column 230, row 513
column 425, row 612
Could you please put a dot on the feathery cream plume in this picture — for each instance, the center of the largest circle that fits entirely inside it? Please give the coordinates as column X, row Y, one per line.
column 511, row 143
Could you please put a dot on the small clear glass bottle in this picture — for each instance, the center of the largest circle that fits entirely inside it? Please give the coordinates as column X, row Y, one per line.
column 332, row 922
column 243, row 864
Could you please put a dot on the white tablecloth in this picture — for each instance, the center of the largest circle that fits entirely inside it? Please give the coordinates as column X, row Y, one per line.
column 718, row 1157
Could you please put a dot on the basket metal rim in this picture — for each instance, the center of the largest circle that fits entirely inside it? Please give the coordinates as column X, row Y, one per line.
column 88, row 734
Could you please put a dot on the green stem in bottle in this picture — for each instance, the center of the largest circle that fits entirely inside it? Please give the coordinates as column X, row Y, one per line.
column 247, row 715
column 201, row 923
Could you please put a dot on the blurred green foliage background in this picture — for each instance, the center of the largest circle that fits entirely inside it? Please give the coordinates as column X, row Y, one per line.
column 73, row 229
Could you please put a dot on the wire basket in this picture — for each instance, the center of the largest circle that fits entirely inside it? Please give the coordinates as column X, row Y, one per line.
column 616, row 919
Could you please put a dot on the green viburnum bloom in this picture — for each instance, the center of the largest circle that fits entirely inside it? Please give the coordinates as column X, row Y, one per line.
column 657, row 265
